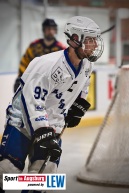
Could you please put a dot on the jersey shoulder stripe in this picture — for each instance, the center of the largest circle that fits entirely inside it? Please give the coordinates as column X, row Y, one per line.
column 60, row 45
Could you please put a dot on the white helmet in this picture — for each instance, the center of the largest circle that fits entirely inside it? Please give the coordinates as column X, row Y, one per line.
column 78, row 28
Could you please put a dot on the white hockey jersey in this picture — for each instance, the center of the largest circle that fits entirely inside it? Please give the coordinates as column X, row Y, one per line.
column 49, row 86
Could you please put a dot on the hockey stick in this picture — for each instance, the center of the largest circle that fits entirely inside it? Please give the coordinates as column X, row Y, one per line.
column 109, row 29
column 48, row 158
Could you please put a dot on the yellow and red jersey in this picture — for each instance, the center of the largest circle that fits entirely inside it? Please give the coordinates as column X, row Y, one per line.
column 35, row 49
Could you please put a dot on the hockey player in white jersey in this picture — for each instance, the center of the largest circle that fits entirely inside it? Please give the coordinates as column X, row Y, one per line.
column 52, row 94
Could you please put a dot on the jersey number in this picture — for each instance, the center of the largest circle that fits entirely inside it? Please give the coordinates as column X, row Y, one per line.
column 40, row 93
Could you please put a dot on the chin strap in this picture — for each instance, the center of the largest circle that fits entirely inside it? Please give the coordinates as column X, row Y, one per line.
column 76, row 52
column 92, row 58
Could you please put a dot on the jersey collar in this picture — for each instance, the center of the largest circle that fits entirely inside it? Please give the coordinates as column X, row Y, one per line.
column 76, row 72
column 49, row 47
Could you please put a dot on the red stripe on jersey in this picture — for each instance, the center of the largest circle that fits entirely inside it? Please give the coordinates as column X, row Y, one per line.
column 60, row 45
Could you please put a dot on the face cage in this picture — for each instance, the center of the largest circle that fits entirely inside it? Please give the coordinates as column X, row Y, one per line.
column 94, row 46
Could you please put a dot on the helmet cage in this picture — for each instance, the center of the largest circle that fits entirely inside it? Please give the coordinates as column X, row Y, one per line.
column 78, row 34
column 97, row 44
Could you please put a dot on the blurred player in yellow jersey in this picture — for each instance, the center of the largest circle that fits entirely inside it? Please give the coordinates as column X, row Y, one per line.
column 40, row 47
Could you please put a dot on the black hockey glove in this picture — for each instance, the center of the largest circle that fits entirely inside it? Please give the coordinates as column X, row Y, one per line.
column 76, row 112
column 45, row 138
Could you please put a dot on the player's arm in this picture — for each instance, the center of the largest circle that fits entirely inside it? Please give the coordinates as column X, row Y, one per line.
column 25, row 60
column 78, row 108
column 34, row 95
column 76, row 112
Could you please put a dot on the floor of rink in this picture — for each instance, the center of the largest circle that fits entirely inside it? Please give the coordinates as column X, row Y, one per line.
column 76, row 145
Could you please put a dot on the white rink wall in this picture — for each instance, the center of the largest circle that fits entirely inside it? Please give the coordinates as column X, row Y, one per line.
column 105, row 80
column 104, row 92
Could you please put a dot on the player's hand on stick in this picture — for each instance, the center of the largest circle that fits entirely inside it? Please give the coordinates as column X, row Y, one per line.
column 76, row 112
column 46, row 140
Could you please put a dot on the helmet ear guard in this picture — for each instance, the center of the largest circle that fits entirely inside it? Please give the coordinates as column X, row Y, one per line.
column 75, row 39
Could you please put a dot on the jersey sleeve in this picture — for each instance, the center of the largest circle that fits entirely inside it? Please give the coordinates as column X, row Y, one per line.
column 34, row 96
column 25, row 60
